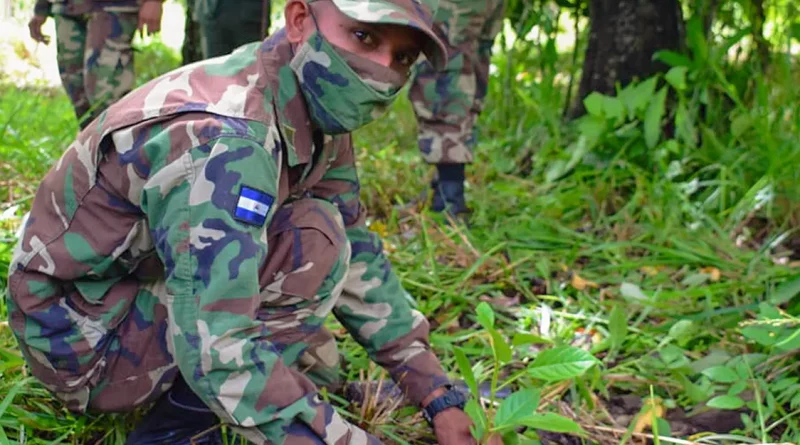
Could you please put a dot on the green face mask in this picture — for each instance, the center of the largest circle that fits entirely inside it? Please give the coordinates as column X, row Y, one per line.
column 343, row 91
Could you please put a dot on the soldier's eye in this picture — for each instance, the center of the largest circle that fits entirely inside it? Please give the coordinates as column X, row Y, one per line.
column 365, row 37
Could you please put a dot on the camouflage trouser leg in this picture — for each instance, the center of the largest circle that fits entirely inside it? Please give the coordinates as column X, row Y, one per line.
column 109, row 73
column 70, row 50
column 447, row 103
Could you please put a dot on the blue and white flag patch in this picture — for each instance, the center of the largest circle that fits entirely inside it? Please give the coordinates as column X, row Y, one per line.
column 253, row 206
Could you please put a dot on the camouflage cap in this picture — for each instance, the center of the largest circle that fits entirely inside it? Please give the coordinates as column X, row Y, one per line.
column 417, row 14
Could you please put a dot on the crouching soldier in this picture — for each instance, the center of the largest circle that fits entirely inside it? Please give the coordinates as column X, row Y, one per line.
column 188, row 246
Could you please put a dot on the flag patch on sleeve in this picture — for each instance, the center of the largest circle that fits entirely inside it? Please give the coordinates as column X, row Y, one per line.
column 253, row 206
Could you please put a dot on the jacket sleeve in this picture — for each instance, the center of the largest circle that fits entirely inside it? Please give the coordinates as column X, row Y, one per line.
column 374, row 307
column 212, row 242
column 42, row 7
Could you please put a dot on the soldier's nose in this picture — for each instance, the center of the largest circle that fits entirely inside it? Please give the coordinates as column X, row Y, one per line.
column 385, row 57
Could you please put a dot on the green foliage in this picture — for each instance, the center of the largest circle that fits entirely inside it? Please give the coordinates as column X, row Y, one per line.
column 519, row 409
column 639, row 250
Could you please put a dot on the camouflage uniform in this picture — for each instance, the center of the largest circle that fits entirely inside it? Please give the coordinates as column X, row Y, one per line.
column 447, row 103
column 225, row 27
column 94, row 54
column 199, row 226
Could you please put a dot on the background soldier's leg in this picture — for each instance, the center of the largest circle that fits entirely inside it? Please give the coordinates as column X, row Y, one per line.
column 491, row 27
column 232, row 28
column 109, row 71
column 442, row 102
column 70, row 48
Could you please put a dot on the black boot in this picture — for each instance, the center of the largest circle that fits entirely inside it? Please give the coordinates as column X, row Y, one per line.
column 448, row 197
column 179, row 417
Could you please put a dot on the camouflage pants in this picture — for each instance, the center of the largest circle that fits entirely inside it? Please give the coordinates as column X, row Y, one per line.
column 447, row 103
column 95, row 59
column 224, row 28
column 134, row 365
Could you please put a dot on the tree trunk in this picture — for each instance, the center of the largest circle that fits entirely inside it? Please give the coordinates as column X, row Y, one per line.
column 191, row 50
column 624, row 36
column 758, row 17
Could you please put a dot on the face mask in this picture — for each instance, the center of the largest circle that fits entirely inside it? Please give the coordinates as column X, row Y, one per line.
column 343, row 91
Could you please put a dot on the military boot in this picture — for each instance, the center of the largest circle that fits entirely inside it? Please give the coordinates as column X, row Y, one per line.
column 179, row 417
column 448, row 197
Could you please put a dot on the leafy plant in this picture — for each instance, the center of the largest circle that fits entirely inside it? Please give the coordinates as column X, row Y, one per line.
column 518, row 411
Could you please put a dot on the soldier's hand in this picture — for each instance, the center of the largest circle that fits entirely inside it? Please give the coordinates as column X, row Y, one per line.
column 150, row 17
column 35, row 29
column 452, row 427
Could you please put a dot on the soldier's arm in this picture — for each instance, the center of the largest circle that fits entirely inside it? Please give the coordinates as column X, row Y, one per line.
column 374, row 307
column 212, row 256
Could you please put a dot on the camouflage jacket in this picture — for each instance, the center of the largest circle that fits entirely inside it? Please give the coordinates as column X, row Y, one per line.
column 77, row 7
column 157, row 174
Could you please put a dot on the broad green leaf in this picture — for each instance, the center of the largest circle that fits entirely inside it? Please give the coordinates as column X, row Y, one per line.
column 594, row 104
column 511, row 438
column 633, row 291
column 552, row 422
column 682, row 329
column 676, row 77
column 613, row 108
column 592, row 128
column 637, row 98
column 726, row 402
column 523, row 339
column 672, row 58
column 653, row 118
column 618, row 325
column 721, row 374
column 479, row 421
column 561, row 363
column 786, row 291
column 517, row 406
column 485, row 315
column 465, row 368
column 500, row 346
column 737, row 388
column 695, row 34
column 763, row 335
column 695, row 280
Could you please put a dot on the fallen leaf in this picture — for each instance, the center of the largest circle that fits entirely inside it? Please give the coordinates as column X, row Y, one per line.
column 651, row 410
column 651, row 270
column 581, row 284
column 501, row 300
column 712, row 272
column 794, row 264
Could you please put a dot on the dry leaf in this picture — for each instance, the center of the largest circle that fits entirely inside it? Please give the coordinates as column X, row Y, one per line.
column 651, row 270
column 794, row 264
column 501, row 300
column 712, row 272
column 581, row 284
column 651, row 410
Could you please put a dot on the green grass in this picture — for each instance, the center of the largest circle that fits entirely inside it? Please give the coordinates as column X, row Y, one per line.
column 662, row 254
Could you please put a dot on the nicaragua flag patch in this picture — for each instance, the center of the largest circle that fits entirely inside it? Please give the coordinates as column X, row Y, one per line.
column 253, row 206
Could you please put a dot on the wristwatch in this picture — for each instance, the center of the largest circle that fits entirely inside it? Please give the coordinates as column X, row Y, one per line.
column 452, row 398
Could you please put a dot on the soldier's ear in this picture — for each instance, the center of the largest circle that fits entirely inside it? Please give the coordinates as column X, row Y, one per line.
column 298, row 17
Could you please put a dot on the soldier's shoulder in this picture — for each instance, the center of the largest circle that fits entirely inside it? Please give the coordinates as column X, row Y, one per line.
column 183, row 132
